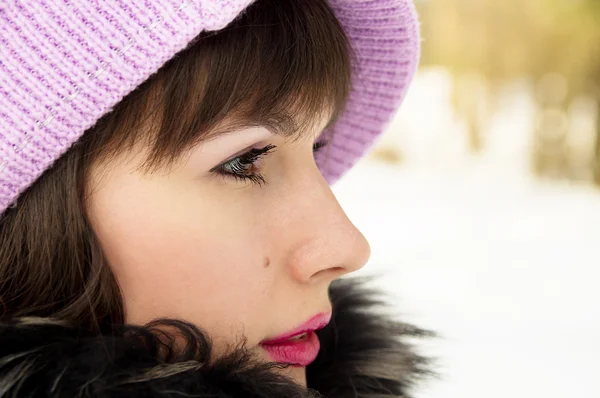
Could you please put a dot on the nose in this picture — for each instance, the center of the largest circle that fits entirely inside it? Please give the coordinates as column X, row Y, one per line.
column 325, row 245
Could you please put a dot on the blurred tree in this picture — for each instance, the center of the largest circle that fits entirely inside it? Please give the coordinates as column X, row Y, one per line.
column 509, row 39
column 505, row 40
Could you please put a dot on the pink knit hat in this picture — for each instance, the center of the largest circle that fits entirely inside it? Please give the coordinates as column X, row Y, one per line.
column 64, row 64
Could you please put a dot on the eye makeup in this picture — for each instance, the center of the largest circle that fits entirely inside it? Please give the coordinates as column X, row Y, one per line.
column 246, row 167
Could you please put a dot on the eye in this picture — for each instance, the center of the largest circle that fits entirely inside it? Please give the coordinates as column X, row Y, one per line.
column 244, row 167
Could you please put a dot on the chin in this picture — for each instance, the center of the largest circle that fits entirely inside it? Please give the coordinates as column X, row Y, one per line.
column 296, row 373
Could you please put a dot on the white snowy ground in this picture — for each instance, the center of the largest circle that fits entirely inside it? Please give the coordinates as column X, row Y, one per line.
column 504, row 267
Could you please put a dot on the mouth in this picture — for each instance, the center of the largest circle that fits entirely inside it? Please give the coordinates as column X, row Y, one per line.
column 300, row 346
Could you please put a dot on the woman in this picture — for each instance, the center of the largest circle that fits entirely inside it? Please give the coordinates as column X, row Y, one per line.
column 167, row 223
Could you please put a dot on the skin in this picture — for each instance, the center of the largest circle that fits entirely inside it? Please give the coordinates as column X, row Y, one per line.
column 238, row 259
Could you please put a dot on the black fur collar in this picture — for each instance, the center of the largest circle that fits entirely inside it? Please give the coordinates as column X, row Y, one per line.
column 363, row 354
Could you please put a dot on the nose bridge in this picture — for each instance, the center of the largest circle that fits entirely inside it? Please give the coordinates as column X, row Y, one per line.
column 328, row 245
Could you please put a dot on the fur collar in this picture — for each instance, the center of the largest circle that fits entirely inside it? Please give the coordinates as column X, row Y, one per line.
column 363, row 354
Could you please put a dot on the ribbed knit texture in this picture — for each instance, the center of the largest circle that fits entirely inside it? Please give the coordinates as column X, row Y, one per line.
column 64, row 64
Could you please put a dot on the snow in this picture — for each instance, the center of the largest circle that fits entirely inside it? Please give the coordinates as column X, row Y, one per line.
column 502, row 265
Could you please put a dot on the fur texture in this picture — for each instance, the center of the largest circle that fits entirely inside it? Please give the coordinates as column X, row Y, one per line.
column 363, row 354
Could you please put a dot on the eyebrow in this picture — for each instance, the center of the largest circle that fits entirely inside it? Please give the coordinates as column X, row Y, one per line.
column 283, row 125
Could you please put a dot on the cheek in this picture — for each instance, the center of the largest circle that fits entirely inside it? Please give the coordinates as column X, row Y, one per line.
column 195, row 260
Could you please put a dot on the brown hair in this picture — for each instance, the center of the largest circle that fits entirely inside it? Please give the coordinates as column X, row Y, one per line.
column 279, row 64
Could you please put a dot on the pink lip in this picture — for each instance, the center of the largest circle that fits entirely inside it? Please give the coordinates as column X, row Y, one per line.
column 315, row 323
column 298, row 352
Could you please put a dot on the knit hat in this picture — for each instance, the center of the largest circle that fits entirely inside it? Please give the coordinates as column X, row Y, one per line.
column 64, row 64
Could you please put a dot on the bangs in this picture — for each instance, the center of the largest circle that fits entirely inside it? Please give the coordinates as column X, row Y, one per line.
column 282, row 64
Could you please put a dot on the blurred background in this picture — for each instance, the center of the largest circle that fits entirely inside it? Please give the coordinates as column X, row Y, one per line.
column 482, row 200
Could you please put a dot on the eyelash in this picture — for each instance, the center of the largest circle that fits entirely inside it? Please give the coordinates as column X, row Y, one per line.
column 239, row 167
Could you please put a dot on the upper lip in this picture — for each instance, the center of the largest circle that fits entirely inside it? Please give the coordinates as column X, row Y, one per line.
column 317, row 322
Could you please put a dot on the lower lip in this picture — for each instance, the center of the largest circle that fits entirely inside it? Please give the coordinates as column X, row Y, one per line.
column 300, row 352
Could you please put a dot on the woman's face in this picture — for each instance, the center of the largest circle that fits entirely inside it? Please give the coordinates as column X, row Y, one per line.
column 249, row 255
